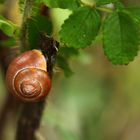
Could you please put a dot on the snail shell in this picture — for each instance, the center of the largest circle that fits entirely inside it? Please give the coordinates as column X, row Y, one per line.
column 27, row 77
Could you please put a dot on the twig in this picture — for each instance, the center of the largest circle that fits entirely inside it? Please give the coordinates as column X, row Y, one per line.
column 31, row 113
column 29, row 120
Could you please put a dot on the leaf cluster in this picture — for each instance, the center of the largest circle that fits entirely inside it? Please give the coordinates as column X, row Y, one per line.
column 117, row 24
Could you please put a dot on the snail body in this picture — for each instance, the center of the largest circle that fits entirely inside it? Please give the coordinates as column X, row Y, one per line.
column 27, row 77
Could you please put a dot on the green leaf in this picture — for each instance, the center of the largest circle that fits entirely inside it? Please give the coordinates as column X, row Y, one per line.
column 135, row 12
column 7, row 26
column 64, row 54
column 64, row 65
column 67, row 52
column 121, row 38
column 81, row 28
column 36, row 25
column 119, row 6
column 103, row 2
column 8, row 43
column 64, row 4
column 43, row 24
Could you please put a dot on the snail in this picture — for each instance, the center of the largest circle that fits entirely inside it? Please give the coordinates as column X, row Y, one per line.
column 27, row 77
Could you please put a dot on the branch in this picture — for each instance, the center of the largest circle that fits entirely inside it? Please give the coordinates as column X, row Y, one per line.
column 31, row 113
column 29, row 120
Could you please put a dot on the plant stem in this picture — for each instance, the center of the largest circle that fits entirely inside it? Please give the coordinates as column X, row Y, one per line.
column 29, row 120
column 86, row 4
column 31, row 113
column 27, row 13
column 103, row 9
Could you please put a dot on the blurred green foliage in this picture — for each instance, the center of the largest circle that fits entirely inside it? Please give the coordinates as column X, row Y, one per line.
column 7, row 26
column 99, row 102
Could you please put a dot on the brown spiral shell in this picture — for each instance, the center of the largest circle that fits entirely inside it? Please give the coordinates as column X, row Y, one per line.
column 27, row 77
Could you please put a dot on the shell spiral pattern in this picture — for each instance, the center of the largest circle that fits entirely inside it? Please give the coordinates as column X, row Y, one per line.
column 27, row 77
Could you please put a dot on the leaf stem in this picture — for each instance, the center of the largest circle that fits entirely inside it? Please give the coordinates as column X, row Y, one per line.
column 103, row 9
column 86, row 4
column 27, row 11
